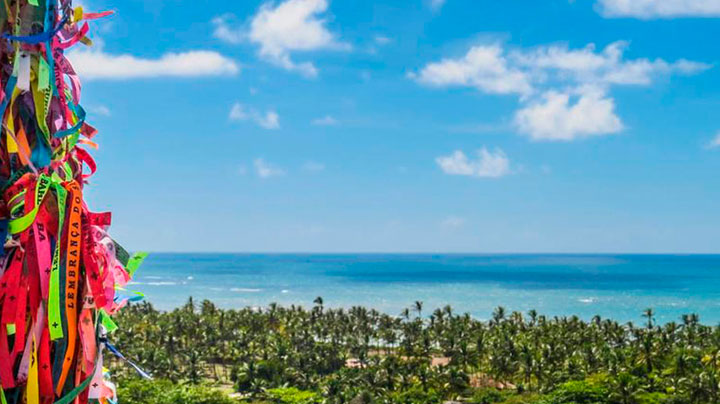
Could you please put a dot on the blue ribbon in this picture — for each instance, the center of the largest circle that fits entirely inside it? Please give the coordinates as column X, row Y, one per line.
column 38, row 38
column 117, row 353
column 9, row 88
column 80, row 112
column 4, row 223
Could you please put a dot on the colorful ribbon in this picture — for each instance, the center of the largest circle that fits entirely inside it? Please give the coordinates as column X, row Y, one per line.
column 61, row 274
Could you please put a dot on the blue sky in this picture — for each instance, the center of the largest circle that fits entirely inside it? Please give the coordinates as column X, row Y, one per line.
column 413, row 126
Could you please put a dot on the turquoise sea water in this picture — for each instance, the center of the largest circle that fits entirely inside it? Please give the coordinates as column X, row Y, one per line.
column 615, row 286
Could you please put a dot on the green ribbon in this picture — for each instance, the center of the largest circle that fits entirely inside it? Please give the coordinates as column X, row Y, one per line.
column 135, row 261
column 107, row 322
column 23, row 223
column 54, row 310
column 42, row 96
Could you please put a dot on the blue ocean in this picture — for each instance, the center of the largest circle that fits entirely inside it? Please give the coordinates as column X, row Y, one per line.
column 614, row 286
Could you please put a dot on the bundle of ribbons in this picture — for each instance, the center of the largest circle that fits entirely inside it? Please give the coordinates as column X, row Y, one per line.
column 61, row 274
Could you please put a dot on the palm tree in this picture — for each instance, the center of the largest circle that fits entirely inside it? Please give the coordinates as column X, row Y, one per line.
column 418, row 306
column 649, row 314
column 625, row 388
column 498, row 314
column 290, row 346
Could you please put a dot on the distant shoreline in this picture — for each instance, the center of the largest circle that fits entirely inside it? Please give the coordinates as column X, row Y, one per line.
column 458, row 310
column 421, row 253
column 614, row 286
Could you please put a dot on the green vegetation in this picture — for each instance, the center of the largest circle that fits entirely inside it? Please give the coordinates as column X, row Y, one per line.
column 290, row 355
column 165, row 392
column 291, row 395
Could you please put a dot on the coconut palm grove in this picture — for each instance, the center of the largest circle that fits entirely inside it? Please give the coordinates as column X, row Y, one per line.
column 200, row 353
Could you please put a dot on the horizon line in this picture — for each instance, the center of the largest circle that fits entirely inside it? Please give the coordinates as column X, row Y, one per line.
column 429, row 253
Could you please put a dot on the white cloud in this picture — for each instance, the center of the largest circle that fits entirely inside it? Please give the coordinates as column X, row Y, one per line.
column 271, row 120
column 563, row 93
column 436, row 5
column 327, row 120
column 267, row 120
column 715, row 142
column 237, row 113
column 483, row 67
column 97, row 64
column 313, row 166
column 556, row 117
column 225, row 31
column 452, row 222
column 495, row 70
column 647, row 9
column 100, row 110
column 264, row 169
column 487, row 165
column 291, row 26
column 607, row 67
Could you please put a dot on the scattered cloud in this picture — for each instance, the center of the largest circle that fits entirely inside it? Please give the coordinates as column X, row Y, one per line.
column 226, row 29
column 313, row 166
column 271, row 120
column 487, row 165
column 452, row 222
column 264, row 169
column 99, row 110
column 649, row 9
column 267, row 120
column 237, row 113
column 558, row 63
column 284, row 28
column 327, row 120
column 715, row 142
column 483, row 67
column 557, row 117
column 563, row 93
column 97, row 64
